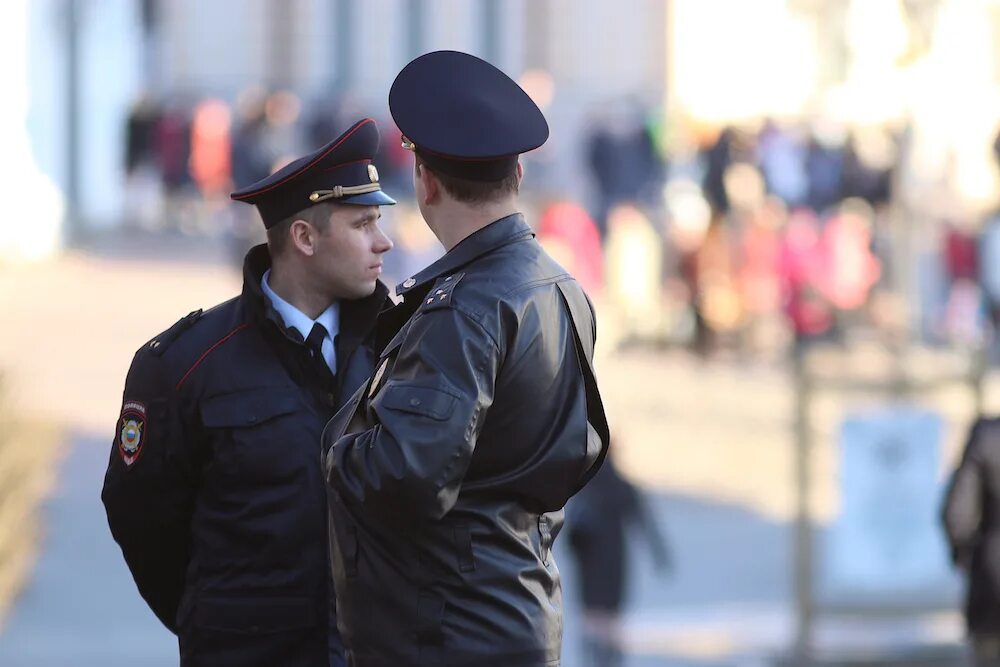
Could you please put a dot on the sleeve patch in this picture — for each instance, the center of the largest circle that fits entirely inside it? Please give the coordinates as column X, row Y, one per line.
column 131, row 431
column 440, row 295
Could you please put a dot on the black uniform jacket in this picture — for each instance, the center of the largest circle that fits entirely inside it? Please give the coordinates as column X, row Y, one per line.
column 480, row 422
column 215, row 488
column 972, row 522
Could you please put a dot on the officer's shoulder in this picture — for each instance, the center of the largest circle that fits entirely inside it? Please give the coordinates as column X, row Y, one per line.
column 193, row 334
column 506, row 275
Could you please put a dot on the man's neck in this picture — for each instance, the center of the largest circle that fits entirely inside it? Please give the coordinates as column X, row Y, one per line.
column 455, row 221
column 286, row 283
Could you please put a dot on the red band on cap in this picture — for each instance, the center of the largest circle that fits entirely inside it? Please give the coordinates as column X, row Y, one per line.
column 308, row 166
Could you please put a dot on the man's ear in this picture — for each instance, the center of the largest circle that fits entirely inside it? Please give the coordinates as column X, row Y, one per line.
column 303, row 237
column 431, row 185
column 520, row 173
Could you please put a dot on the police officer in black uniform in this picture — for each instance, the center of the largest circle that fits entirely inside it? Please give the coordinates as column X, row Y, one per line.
column 448, row 472
column 215, row 490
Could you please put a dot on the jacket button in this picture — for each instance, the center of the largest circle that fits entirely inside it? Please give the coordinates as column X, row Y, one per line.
column 414, row 402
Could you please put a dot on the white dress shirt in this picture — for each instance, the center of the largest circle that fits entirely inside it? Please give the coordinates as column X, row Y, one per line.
column 296, row 319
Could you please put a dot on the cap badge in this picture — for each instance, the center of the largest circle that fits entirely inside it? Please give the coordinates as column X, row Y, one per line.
column 372, row 173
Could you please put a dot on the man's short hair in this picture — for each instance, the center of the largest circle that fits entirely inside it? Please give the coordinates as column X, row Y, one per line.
column 471, row 191
column 278, row 236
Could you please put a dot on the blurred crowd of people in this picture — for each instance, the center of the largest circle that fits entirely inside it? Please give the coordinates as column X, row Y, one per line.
column 741, row 238
column 753, row 238
column 183, row 157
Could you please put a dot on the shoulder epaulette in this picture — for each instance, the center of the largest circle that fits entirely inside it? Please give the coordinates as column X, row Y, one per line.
column 440, row 295
column 159, row 345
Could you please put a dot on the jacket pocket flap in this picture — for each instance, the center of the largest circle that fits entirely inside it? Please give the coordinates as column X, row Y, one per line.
column 426, row 401
column 255, row 615
column 246, row 408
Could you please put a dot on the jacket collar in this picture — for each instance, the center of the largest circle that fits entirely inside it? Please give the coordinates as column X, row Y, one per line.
column 255, row 265
column 494, row 235
column 357, row 316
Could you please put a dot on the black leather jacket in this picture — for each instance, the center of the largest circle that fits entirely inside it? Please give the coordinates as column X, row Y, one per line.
column 475, row 433
column 222, row 513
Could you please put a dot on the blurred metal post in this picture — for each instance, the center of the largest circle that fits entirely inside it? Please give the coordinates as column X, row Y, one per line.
column 344, row 16
column 414, row 21
column 150, row 13
column 72, row 230
column 537, row 39
column 281, row 26
column 803, row 557
column 490, row 30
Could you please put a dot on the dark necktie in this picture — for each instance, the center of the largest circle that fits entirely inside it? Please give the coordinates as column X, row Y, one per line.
column 315, row 339
column 315, row 344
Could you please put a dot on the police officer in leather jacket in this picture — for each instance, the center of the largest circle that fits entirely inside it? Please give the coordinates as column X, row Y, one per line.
column 214, row 490
column 449, row 470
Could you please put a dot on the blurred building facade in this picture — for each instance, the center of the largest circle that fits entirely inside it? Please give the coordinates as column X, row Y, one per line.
column 571, row 55
column 696, row 63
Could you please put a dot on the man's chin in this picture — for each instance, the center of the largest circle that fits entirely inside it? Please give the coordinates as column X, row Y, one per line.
column 364, row 290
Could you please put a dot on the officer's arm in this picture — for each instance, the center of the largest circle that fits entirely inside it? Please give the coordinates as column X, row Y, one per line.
column 148, row 487
column 427, row 417
column 962, row 512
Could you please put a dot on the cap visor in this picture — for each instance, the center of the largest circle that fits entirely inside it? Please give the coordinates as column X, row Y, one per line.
column 377, row 198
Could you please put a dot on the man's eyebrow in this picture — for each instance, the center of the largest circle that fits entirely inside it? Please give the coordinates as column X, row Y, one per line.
column 365, row 217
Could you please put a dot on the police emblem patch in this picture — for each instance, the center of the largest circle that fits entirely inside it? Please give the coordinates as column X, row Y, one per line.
column 130, row 431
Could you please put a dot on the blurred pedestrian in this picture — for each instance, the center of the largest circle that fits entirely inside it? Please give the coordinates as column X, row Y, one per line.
column 718, row 158
column 599, row 521
column 624, row 161
column 824, row 166
column 963, row 309
column 249, row 165
column 214, row 490
column 782, row 161
column 142, row 177
column 172, row 147
column 989, row 276
column 568, row 233
column 800, row 270
column 971, row 518
column 633, row 275
column 210, row 166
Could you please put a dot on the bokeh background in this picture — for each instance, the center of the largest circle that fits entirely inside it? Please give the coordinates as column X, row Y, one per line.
column 784, row 210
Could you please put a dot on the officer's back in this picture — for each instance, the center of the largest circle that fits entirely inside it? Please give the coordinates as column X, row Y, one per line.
column 449, row 471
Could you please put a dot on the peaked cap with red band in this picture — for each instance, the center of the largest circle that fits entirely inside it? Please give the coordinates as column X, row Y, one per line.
column 340, row 172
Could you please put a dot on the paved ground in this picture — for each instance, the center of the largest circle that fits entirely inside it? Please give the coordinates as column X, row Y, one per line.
column 710, row 441
column 80, row 608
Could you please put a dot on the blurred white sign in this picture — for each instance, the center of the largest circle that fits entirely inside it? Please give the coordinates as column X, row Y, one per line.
column 887, row 540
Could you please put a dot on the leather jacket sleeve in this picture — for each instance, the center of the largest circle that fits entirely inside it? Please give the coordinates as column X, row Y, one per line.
column 426, row 419
column 147, row 492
